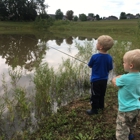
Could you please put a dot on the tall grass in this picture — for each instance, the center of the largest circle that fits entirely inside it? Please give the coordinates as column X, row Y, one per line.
column 15, row 107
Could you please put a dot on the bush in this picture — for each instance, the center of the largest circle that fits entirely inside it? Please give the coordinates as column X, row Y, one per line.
column 43, row 24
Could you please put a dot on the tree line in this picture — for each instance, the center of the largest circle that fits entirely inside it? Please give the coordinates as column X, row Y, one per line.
column 29, row 10
column 82, row 17
column 21, row 10
column 69, row 15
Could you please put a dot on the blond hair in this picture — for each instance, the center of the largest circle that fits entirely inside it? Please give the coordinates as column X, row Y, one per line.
column 106, row 42
column 133, row 57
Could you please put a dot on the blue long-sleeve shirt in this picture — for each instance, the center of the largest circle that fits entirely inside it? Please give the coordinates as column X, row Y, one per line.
column 101, row 64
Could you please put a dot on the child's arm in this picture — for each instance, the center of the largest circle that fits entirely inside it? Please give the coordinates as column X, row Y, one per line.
column 114, row 80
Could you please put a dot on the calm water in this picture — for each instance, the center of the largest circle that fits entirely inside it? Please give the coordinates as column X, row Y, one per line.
column 24, row 52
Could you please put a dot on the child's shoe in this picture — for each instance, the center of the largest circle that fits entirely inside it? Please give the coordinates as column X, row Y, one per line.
column 92, row 112
column 131, row 137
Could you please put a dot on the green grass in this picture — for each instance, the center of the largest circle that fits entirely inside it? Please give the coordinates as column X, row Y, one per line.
column 117, row 29
column 16, row 27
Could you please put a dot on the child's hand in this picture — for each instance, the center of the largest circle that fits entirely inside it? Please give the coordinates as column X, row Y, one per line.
column 114, row 80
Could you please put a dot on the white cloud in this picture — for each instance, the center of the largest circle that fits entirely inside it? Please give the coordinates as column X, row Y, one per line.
column 101, row 7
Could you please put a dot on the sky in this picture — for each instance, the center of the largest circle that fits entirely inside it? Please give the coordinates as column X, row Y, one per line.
column 103, row 8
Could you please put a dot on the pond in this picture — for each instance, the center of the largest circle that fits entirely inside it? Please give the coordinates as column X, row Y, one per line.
column 24, row 52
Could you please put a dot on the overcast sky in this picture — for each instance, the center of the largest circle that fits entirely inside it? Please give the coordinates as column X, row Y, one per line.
column 103, row 8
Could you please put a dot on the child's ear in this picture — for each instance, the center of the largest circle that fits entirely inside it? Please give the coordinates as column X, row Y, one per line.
column 131, row 66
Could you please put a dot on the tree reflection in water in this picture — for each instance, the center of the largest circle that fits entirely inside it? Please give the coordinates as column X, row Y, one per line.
column 21, row 50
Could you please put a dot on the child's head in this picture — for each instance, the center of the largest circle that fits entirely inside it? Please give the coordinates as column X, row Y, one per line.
column 106, row 42
column 131, row 60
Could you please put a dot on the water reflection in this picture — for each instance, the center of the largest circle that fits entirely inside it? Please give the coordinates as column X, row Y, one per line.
column 24, row 51
column 21, row 50
column 69, row 40
column 28, row 51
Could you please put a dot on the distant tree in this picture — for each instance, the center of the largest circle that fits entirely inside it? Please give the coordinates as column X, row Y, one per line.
column 21, row 9
column 69, row 14
column 97, row 17
column 137, row 15
column 40, row 6
column 30, row 14
column 123, row 15
column 42, row 23
column 58, row 14
column 82, row 17
column 75, row 18
column 91, row 15
column 3, row 11
column 44, row 16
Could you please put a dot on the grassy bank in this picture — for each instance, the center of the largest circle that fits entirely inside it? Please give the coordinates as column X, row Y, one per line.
column 117, row 29
column 91, row 29
column 7, row 27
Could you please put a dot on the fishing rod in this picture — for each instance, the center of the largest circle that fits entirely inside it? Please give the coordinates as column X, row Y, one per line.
column 69, row 55
column 65, row 53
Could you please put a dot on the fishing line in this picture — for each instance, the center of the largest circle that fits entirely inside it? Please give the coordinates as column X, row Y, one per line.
column 69, row 55
column 64, row 53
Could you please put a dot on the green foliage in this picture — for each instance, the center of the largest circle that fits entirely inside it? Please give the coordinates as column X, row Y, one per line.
column 43, row 80
column 118, row 51
column 97, row 17
column 43, row 24
column 61, row 22
column 138, row 29
column 58, row 14
column 91, row 15
column 82, row 17
column 16, row 105
column 85, row 51
column 69, row 14
column 43, row 16
column 83, row 137
column 75, row 18
column 123, row 15
column 23, row 107
column 21, row 10
column 3, row 11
